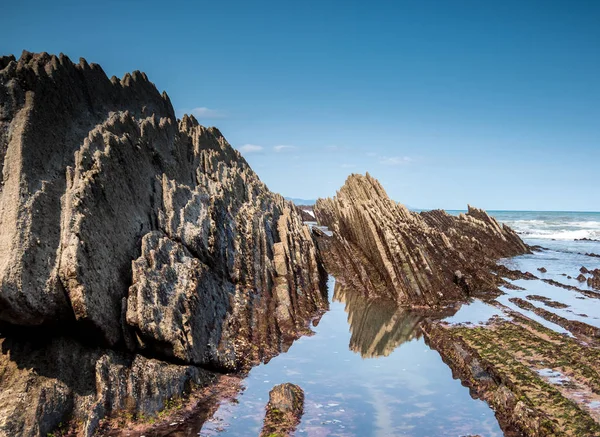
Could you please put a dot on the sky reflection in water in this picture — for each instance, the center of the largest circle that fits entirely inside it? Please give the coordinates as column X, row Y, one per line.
column 374, row 378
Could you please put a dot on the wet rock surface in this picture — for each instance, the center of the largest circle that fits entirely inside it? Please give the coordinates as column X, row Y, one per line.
column 423, row 259
column 594, row 280
column 284, row 410
column 504, row 362
column 149, row 236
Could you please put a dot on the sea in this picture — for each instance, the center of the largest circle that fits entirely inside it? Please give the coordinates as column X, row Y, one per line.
column 552, row 225
column 367, row 370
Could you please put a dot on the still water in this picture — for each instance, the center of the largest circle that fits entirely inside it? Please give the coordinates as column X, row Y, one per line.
column 366, row 372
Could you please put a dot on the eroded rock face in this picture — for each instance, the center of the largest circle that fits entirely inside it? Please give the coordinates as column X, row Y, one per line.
column 284, row 410
column 52, row 379
column 424, row 259
column 143, row 233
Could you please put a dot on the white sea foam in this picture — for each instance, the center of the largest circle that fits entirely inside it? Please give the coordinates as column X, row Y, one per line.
column 562, row 234
column 553, row 226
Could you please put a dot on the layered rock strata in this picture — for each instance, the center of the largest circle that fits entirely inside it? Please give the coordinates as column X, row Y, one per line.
column 148, row 236
column 418, row 259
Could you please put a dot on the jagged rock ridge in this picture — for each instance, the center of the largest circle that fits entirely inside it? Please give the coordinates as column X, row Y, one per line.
column 149, row 236
column 424, row 259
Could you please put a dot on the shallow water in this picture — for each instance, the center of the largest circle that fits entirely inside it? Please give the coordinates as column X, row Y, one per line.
column 475, row 313
column 366, row 372
column 561, row 259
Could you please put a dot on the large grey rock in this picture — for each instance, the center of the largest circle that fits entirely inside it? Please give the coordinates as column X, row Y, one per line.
column 177, row 303
column 144, row 234
column 48, row 108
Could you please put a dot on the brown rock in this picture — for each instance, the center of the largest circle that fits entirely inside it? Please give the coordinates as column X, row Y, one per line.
column 418, row 259
column 284, row 410
column 542, row 269
column 581, row 278
column 594, row 280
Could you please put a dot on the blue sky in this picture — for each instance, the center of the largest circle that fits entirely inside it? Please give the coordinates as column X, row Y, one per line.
column 493, row 103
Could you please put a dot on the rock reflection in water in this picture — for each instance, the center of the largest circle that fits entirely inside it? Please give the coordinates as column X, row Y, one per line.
column 377, row 326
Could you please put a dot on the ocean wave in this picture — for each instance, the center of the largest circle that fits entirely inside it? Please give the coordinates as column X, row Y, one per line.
column 552, row 225
column 561, row 234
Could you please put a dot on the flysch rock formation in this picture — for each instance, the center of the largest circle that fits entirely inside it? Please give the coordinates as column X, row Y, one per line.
column 417, row 259
column 143, row 247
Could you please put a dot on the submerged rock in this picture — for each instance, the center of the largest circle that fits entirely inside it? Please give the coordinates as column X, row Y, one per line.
column 423, row 259
column 141, row 233
column 284, row 410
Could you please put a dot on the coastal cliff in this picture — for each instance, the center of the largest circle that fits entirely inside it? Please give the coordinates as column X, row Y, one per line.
column 143, row 249
column 417, row 259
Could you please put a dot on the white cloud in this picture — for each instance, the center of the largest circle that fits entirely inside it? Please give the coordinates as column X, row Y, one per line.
column 395, row 160
column 348, row 165
column 371, row 154
column 333, row 148
column 283, row 148
column 250, row 148
column 203, row 112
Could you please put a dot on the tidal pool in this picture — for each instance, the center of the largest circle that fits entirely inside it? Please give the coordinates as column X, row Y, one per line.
column 366, row 372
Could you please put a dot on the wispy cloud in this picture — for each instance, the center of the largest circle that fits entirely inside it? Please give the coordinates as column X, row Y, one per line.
column 371, row 154
column 395, row 160
column 348, row 165
column 333, row 148
column 250, row 148
column 283, row 148
column 203, row 112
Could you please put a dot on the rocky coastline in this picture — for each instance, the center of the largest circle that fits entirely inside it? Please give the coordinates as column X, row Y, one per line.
column 145, row 269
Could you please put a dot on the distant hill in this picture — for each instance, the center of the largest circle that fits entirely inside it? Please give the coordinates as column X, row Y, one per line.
column 302, row 201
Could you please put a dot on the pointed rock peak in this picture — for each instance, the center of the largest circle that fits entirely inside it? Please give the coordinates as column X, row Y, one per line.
column 187, row 123
column 64, row 60
column 5, row 60
column 126, row 80
column 138, row 76
column 215, row 131
column 25, row 56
